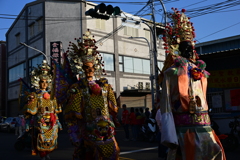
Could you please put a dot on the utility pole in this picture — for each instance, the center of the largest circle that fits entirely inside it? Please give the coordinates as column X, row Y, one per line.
column 155, row 53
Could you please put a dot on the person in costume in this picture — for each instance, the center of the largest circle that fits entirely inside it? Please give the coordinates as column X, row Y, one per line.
column 41, row 113
column 91, row 104
column 185, row 123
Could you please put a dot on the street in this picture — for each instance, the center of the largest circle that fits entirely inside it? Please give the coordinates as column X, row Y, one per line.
column 131, row 150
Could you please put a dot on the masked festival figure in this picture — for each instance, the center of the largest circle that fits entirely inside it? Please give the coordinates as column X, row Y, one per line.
column 91, row 109
column 185, row 121
column 41, row 113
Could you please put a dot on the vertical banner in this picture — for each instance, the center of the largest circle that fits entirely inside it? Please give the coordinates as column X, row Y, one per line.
column 56, row 51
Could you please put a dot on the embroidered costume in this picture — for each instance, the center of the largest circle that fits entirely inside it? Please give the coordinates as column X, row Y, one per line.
column 185, row 121
column 41, row 113
column 91, row 106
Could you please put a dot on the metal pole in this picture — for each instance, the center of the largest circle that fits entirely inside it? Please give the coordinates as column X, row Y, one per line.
column 165, row 17
column 151, row 65
column 165, row 12
column 155, row 51
column 37, row 51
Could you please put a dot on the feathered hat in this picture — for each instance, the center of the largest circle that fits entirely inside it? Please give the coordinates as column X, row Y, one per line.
column 85, row 51
column 43, row 71
column 178, row 31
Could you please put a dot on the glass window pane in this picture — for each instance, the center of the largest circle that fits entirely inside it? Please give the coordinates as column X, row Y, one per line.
column 128, row 64
column 120, row 59
column 146, row 66
column 16, row 72
column 120, row 67
column 160, row 65
column 108, row 61
column 137, row 62
column 35, row 61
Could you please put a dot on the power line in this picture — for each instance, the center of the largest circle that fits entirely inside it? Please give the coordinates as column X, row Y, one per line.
column 220, row 30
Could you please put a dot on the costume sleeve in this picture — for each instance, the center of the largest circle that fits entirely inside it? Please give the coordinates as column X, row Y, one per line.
column 74, row 106
column 169, row 135
column 58, row 108
column 158, row 119
column 112, row 105
column 73, row 112
column 31, row 106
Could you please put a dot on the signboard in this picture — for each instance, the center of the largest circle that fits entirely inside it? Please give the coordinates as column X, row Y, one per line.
column 56, row 51
column 224, row 78
column 232, row 99
column 217, row 101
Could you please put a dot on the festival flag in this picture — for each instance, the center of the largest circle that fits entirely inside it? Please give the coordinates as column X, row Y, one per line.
column 60, row 83
column 24, row 91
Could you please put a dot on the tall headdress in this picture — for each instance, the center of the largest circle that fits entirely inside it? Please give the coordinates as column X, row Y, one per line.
column 178, row 31
column 43, row 71
column 85, row 51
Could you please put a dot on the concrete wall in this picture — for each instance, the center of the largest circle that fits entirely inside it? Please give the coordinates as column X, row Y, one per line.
column 66, row 24
column 19, row 27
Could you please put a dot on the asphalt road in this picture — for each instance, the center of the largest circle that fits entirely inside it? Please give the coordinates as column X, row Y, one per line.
column 131, row 150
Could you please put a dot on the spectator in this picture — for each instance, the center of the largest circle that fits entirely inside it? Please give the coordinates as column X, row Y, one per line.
column 143, row 116
column 125, row 121
column 133, row 124
column 23, row 123
column 138, row 121
column 147, row 113
column 18, row 126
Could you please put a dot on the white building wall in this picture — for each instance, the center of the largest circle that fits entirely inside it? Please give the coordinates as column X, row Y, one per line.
column 19, row 27
column 65, row 28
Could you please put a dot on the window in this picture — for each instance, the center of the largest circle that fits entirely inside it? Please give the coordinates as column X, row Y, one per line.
column 120, row 63
column 146, row 66
column 160, row 65
column 136, row 65
column 31, row 29
column 100, row 24
column 108, row 61
column 128, row 64
column 129, row 31
column 35, row 61
column 17, row 39
column 17, row 72
column 40, row 24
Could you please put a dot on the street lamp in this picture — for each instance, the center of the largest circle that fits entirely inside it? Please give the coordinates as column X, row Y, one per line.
column 151, row 66
column 37, row 51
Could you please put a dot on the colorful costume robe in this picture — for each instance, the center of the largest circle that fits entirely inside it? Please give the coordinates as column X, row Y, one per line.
column 89, row 114
column 42, row 120
column 189, row 136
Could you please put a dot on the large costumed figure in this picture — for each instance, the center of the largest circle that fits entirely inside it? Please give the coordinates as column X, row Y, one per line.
column 185, row 121
column 41, row 112
column 91, row 108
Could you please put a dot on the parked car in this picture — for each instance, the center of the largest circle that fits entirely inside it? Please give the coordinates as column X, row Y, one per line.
column 2, row 119
column 8, row 125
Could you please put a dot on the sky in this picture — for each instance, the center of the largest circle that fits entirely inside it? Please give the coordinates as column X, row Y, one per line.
column 219, row 22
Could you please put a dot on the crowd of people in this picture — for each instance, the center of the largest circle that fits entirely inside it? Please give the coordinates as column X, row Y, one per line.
column 20, row 125
column 133, row 120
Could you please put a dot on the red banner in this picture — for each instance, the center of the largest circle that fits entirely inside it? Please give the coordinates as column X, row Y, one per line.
column 224, row 78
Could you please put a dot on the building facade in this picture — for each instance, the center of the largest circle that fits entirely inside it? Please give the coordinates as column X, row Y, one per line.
column 127, row 61
column 2, row 78
column 222, row 57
